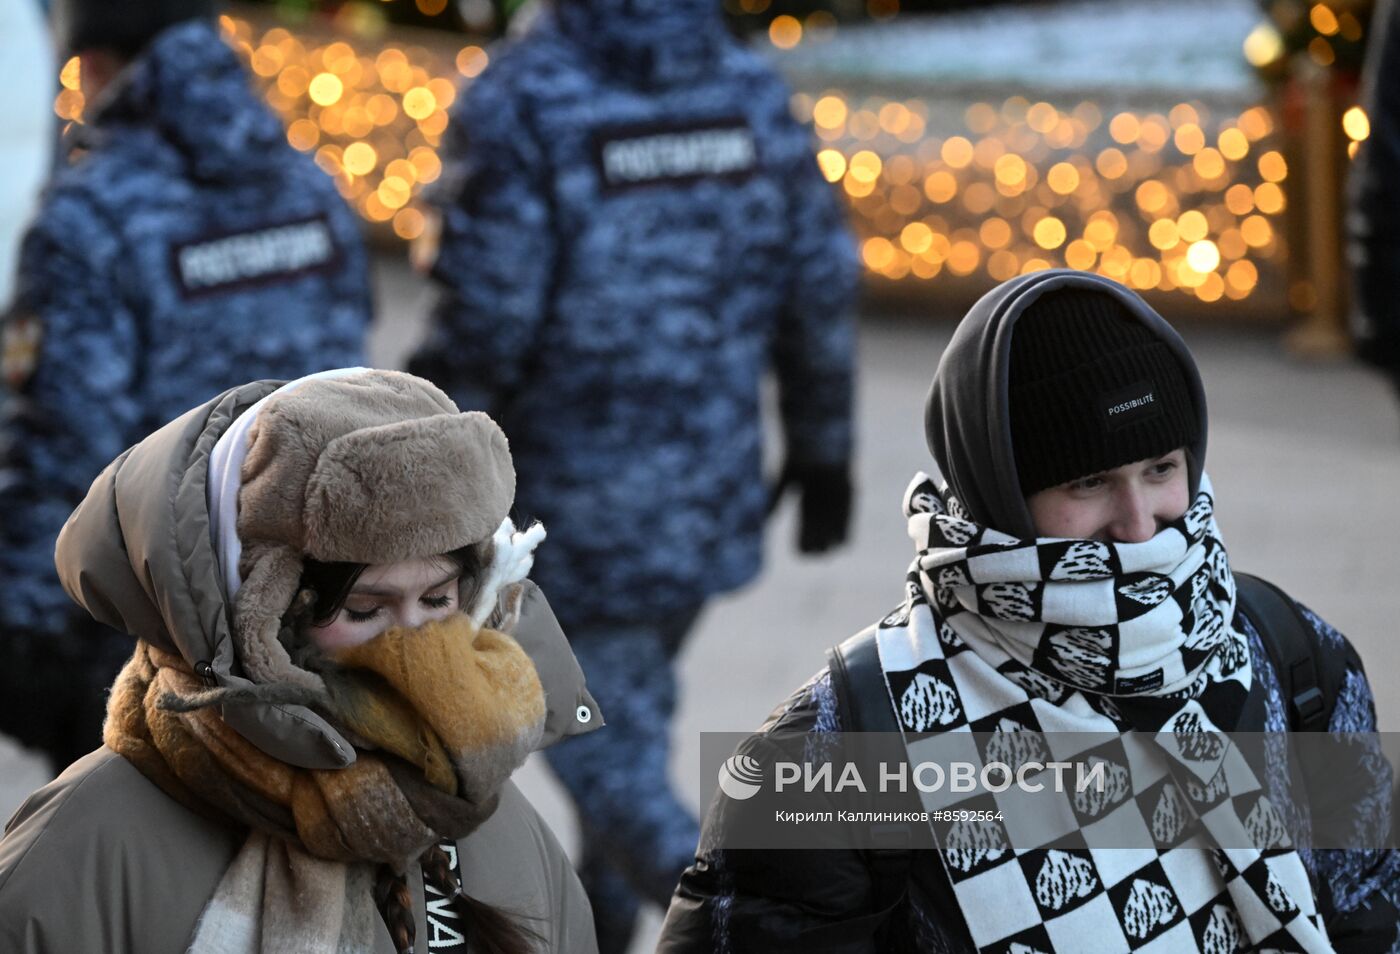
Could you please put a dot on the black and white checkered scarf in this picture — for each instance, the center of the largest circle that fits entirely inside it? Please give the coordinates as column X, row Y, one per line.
column 1134, row 642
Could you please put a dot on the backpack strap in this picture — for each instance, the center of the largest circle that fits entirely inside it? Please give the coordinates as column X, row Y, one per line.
column 1309, row 684
column 858, row 682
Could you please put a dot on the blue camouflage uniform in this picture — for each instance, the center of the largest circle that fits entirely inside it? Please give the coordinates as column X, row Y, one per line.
column 634, row 230
column 185, row 248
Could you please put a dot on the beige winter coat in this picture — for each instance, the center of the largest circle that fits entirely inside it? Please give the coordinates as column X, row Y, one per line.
column 102, row 860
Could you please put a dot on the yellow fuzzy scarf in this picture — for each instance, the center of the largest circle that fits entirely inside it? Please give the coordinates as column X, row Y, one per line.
column 440, row 716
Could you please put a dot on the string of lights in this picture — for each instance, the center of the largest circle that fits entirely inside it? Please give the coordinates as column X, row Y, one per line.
column 1177, row 201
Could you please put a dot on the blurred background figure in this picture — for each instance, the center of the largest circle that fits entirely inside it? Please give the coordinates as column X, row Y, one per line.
column 633, row 229
column 1374, row 219
column 26, row 90
column 182, row 248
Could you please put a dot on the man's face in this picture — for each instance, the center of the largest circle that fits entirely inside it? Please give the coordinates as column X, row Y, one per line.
column 1128, row 504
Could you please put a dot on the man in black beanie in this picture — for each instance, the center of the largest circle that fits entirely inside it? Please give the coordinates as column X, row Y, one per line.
column 1070, row 578
column 183, row 247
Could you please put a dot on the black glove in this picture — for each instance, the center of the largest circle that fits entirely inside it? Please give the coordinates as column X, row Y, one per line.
column 825, row 514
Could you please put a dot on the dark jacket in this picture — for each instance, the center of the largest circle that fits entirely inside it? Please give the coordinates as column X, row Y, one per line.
column 634, row 230
column 841, row 901
column 185, row 249
column 1373, row 186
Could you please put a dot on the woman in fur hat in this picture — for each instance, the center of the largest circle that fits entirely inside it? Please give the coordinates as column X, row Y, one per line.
column 338, row 665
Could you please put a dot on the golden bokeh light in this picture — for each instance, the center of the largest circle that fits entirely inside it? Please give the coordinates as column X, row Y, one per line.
column 1356, row 124
column 1208, row 163
column 964, row 257
column 940, row 186
column 865, row 166
column 1324, row 20
column 471, row 60
column 1272, row 166
column 1049, row 233
column 70, row 77
column 1042, row 117
column 1203, row 256
column 1111, row 163
column 995, row 233
column 1152, row 196
column 1256, row 123
column 1003, row 265
column 1256, row 231
column 979, row 198
column 1010, row 169
column 1101, row 231
column 1080, row 254
column 1124, row 128
column 1239, row 199
column 1321, row 51
column 1233, row 144
column 325, row 89
column 1242, row 276
column 359, row 159
column 1268, row 198
column 1063, row 178
column 877, row 252
column 1263, row 46
column 1192, row 226
column 916, row 237
column 1189, row 139
column 303, row 134
column 1144, row 274
column 857, row 188
column 419, row 103
column 829, row 112
column 832, row 163
column 785, row 32
column 957, row 152
column 1163, row 234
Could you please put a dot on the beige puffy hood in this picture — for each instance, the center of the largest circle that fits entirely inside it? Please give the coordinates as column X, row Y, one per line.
column 138, row 555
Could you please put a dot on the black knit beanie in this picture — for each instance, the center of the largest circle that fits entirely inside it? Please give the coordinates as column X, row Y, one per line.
column 124, row 26
column 1091, row 389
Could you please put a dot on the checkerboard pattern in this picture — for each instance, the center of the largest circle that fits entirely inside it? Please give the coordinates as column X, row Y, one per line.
column 1178, row 849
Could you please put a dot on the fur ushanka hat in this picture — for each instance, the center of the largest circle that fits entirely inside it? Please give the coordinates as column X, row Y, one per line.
column 371, row 467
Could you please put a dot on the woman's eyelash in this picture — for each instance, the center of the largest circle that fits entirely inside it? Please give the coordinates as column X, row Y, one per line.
column 361, row 617
column 437, row 602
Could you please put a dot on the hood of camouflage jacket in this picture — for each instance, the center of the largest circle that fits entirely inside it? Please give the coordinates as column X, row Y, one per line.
column 191, row 89
column 138, row 554
column 967, row 417
column 651, row 42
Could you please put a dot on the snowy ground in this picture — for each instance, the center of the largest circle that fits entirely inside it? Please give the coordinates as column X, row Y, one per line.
column 1187, row 47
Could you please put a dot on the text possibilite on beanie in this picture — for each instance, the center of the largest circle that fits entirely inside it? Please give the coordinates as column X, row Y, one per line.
column 1091, row 389
column 125, row 26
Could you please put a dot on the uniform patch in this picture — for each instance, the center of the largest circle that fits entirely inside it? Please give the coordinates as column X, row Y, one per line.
column 213, row 264
column 20, row 338
column 674, row 153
